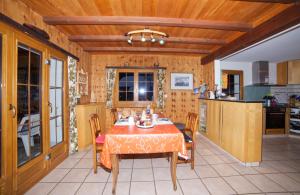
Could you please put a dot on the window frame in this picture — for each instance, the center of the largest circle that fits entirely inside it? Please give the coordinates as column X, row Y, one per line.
column 135, row 103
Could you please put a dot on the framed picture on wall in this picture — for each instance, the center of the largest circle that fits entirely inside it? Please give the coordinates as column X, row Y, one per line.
column 182, row 81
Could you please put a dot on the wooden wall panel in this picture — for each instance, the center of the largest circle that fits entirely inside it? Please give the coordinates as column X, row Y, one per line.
column 21, row 13
column 178, row 102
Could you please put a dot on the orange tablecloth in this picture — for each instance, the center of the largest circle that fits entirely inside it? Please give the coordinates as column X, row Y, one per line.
column 134, row 140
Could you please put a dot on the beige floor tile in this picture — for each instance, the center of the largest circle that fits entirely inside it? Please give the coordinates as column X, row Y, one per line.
column 65, row 189
column 199, row 160
column 280, row 193
column 142, row 175
column 76, row 175
column 193, row 187
column 100, row 176
column 185, row 173
column 85, row 163
column 160, row 162
column 243, row 170
column 213, row 159
column 282, row 166
column 241, row 185
column 206, row 171
column 91, row 188
column 124, row 175
column 166, row 188
column 142, row 163
column 204, row 152
column 121, row 189
column 225, row 170
column 126, row 163
column 55, row 175
column 218, row 186
column 264, row 167
column 88, row 155
column 79, row 154
column 40, row 189
column 162, row 174
column 264, row 183
column 227, row 159
column 142, row 188
column 286, row 182
column 295, row 176
column 68, row 163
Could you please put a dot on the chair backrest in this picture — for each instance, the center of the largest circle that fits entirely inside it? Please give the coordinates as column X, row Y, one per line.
column 192, row 122
column 114, row 115
column 95, row 126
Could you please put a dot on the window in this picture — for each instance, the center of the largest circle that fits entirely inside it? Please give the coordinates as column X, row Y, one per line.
column 135, row 86
column 145, row 87
column 56, row 101
column 126, row 86
column 29, row 100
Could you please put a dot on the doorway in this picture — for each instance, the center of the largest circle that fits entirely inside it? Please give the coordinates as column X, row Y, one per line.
column 233, row 83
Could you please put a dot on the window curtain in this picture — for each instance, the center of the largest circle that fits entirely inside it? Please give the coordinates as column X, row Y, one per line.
column 161, row 75
column 110, row 81
column 72, row 103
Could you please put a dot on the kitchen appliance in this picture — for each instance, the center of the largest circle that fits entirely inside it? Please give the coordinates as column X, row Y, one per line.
column 275, row 120
column 295, row 120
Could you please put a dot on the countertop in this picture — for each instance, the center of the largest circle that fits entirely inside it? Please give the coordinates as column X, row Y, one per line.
column 240, row 101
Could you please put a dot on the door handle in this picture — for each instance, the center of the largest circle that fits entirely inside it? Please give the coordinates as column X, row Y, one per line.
column 12, row 108
column 50, row 106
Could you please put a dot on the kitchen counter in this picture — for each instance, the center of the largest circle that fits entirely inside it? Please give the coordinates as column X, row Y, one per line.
column 235, row 126
column 239, row 101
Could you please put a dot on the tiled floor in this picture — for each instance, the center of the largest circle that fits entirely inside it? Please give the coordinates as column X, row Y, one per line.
column 215, row 173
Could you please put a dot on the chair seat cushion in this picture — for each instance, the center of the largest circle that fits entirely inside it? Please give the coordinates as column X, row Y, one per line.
column 180, row 126
column 187, row 138
column 100, row 139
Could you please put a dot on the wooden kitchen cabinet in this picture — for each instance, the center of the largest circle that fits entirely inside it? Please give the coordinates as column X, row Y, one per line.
column 282, row 73
column 83, row 113
column 213, row 121
column 294, row 72
column 288, row 72
column 236, row 126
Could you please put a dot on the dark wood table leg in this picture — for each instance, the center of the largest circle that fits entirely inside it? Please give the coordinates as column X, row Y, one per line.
column 115, row 171
column 173, row 169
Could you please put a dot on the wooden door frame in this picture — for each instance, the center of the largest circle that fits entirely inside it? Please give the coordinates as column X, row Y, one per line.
column 6, row 177
column 241, row 74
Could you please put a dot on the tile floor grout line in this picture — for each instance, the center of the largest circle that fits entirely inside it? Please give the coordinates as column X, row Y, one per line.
column 203, row 182
column 82, row 182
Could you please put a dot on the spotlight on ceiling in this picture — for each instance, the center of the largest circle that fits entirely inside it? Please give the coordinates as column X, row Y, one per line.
column 153, row 39
column 161, row 41
column 143, row 38
column 129, row 41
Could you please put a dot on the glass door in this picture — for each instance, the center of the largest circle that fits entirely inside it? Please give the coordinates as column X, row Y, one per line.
column 56, row 101
column 29, row 128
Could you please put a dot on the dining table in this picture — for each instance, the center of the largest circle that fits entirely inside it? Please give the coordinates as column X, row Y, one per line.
column 127, row 138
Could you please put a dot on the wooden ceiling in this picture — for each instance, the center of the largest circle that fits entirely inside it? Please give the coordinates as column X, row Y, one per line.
column 194, row 26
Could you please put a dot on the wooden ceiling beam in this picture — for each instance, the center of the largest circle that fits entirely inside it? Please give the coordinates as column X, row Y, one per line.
column 147, row 21
column 145, row 49
column 271, row 1
column 284, row 20
column 119, row 38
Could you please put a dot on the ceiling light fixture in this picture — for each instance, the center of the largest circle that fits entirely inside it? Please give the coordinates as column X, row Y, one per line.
column 147, row 35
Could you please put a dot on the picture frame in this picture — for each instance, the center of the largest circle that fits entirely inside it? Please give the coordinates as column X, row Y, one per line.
column 182, row 81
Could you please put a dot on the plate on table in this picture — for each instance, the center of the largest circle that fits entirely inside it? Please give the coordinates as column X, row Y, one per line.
column 145, row 126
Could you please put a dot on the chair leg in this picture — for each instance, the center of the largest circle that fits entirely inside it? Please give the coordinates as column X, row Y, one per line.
column 95, row 160
column 192, row 156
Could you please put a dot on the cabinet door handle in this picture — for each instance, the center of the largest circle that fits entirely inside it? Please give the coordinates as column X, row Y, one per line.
column 12, row 108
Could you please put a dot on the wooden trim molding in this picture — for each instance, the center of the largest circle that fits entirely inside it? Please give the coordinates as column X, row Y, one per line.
column 284, row 20
column 145, row 49
column 136, row 67
column 271, row 1
column 120, row 38
column 148, row 21
column 5, row 19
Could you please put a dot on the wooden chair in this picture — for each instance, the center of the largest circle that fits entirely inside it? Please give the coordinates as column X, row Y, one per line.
column 114, row 115
column 97, row 139
column 189, row 133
